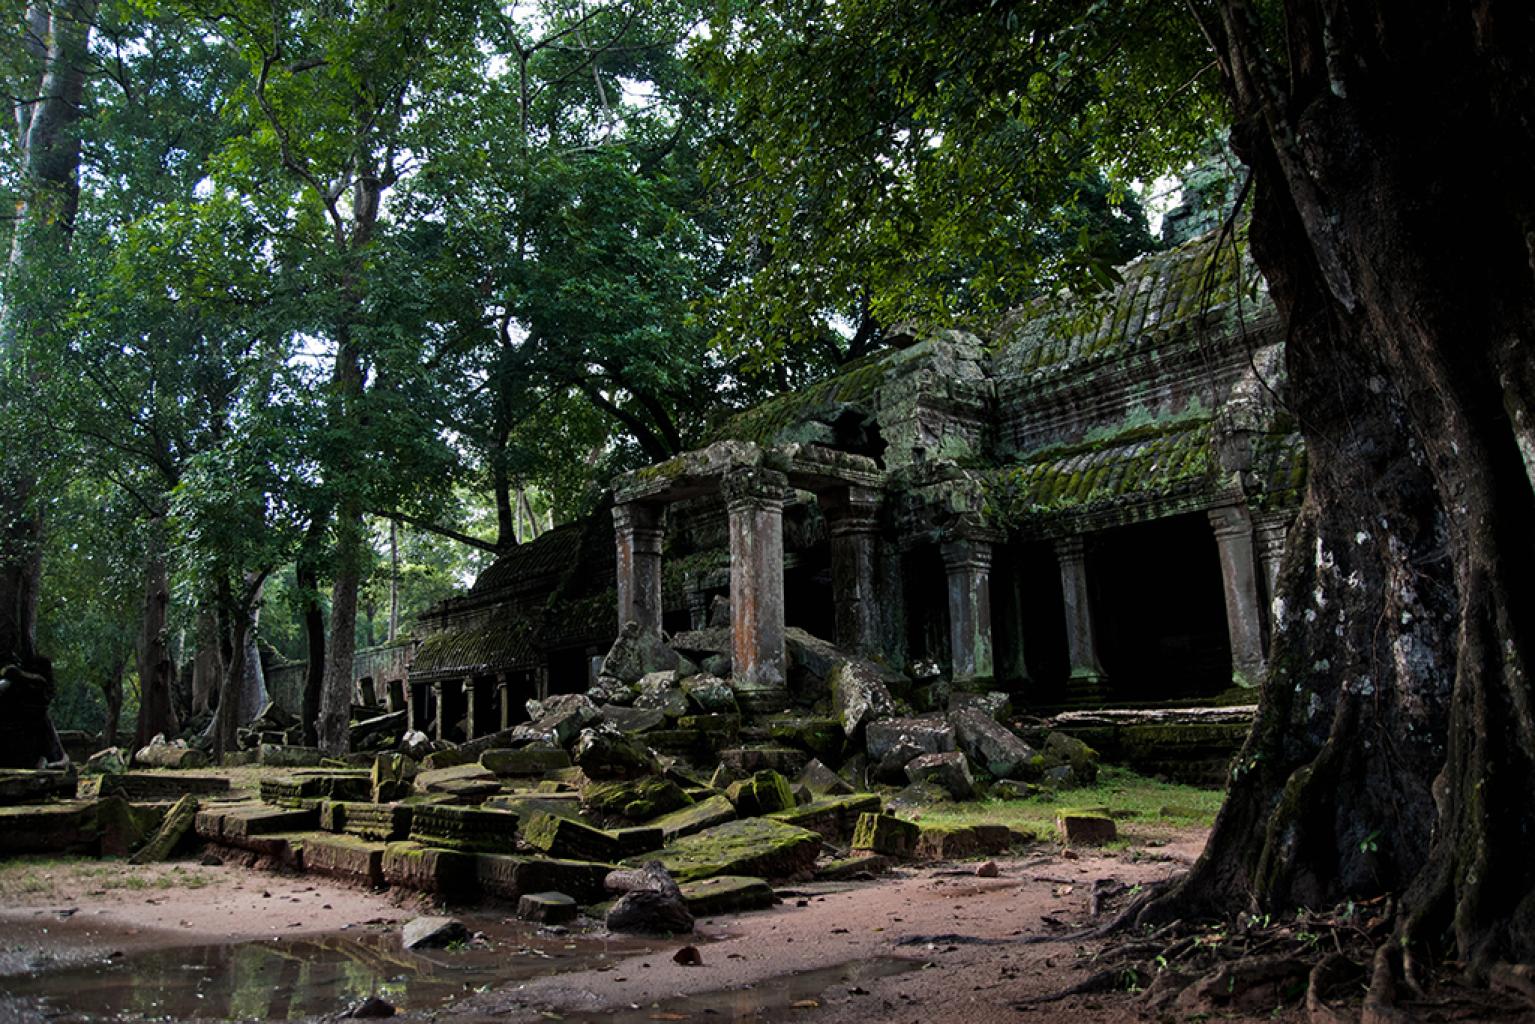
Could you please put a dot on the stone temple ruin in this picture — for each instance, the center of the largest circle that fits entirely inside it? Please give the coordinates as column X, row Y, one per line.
column 1084, row 511
column 961, row 567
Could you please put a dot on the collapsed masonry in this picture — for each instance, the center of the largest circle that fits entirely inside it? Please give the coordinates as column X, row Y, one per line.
column 1085, row 510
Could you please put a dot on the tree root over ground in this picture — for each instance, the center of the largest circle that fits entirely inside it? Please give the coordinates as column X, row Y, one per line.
column 1340, row 967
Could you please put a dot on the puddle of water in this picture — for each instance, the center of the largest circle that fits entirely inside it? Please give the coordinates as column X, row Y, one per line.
column 784, row 998
column 287, row 979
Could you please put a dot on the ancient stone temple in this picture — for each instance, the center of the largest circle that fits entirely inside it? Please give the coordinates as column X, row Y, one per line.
column 1086, row 508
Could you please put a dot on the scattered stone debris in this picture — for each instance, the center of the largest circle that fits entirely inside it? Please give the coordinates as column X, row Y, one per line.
column 652, row 905
column 433, row 933
column 372, row 1008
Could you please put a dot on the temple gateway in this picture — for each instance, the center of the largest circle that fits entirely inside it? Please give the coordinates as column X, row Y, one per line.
column 1086, row 509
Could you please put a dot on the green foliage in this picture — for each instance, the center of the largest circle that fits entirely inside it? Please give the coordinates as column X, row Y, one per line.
column 939, row 161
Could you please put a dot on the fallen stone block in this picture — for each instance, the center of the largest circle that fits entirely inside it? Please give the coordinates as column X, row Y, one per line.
column 883, row 833
column 947, row 842
column 746, row 761
column 471, row 829
column 631, row 842
column 433, row 933
column 605, row 753
column 951, row 771
column 563, row 837
column 111, row 761
column 463, row 782
column 819, row 737
column 727, row 894
column 822, row 781
column 252, row 820
column 711, row 811
column 378, row 822
column 169, row 755
column 390, row 778
column 547, row 907
column 633, row 799
column 526, row 805
column 632, row 719
column 766, row 792
column 284, row 756
column 833, row 818
column 846, row 869
column 174, row 832
column 91, row 827
column 294, row 790
column 750, row 846
column 1084, row 828
column 993, row 747
column 346, row 857
column 525, row 761
column 450, row 874
column 859, row 696
column 34, row 785
column 509, row 877
column 926, row 735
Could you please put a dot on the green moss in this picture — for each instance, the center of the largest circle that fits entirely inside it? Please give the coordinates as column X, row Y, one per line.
column 750, row 846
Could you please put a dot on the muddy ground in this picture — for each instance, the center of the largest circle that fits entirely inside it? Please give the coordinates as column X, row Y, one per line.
column 929, row 945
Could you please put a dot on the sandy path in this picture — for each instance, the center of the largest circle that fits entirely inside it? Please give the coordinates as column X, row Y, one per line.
column 965, row 982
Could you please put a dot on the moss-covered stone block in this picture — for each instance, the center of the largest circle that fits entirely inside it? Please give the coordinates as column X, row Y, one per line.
column 883, row 833
column 175, row 831
column 712, row 810
column 1085, row 828
column 563, row 837
column 524, row 762
column 834, row 818
column 819, row 737
column 346, row 857
column 634, row 799
column 766, row 792
column 471, row 829
column 727, row 894
column 750, row 846
column 449, row 874
column 510, row 877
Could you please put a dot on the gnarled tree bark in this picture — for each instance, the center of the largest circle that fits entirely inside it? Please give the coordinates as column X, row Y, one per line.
column 1395, row 744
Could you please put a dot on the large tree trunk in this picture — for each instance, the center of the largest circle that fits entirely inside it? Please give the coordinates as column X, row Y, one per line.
column 334, row 722
column 205, row 663
column 157, row 714
column 1395, row 744
column 56, row 36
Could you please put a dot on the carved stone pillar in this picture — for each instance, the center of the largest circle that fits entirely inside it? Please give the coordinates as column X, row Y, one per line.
column 968, row 563
column 637, row 531
column 1269, row 532
column 754, row 500
column 852, row 522
column 439, row 692
column 503, row 702
column 1239, row 578
column 698, row 609
column 1087, row 673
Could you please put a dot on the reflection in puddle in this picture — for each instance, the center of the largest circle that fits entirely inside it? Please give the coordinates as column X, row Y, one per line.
column 279, row 980
column 783, row 998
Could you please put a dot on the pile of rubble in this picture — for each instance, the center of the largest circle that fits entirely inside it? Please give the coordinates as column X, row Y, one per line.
column 650, row 799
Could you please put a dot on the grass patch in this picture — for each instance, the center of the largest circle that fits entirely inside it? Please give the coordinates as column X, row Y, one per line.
column 42, row 875
column 1142, row 806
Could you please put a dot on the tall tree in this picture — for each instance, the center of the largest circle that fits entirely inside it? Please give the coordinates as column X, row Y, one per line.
column 49, row 90
column 1390, row 146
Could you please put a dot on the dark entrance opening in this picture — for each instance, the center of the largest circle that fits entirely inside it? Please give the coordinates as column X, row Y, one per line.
column 454, row 710
column 1159, row 610
column 925, row 593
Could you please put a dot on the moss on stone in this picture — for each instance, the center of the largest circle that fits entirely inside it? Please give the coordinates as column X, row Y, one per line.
column 750, row 846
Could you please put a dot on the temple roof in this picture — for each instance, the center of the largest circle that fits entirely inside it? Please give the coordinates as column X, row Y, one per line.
column 546, row 555
column 472, row 649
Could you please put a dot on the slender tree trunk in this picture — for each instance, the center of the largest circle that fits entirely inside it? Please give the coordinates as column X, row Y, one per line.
column 157, row 715
column 314, row 636
column 112, row 695
column 49, row 145
column 336, row 696
column 1395, row 744
column 394, row 580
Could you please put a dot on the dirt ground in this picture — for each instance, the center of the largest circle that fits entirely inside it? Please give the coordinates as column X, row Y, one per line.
column 932, row 945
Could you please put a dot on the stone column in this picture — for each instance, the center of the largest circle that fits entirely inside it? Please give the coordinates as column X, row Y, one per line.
column 1239, row 578
column 503, row 702
column 968, row 563
column 698, row 609
column 852, row 522
column 1270, row 531
column 1087, row 673
column 754, row 500
column 637, row 531
column 438, row 693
